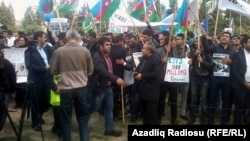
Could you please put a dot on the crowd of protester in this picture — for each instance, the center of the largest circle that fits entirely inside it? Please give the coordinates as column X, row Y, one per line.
column 91, row 69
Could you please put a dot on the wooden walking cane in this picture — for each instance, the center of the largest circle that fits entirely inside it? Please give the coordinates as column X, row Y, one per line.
column 123, row 113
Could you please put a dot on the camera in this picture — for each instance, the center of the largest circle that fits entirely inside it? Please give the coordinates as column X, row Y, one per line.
column 32, row 44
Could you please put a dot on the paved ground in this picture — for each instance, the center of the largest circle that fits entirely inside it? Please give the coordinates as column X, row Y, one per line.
column 96, row 128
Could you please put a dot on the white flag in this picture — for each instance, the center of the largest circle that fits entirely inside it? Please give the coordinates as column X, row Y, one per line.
column 238, row 6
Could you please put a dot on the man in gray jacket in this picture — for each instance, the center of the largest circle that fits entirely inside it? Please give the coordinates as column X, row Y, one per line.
column 74, row 64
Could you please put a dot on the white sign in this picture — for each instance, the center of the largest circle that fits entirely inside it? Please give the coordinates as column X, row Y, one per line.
column 128, row 76
column 16, row 57
column 228, row 30
column 177, row 70
column 137, row 57
column 58, row 24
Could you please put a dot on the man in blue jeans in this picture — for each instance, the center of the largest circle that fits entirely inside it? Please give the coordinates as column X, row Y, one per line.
column 74, row 64
column 101, row 88
column 219, row 81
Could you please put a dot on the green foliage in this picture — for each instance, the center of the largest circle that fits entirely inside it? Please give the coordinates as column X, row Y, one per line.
column 33, row 28
column 224, row 20
column 35, row 22
column 6, row 16
column 173, row 6
column 13, row 28
column 239, row 27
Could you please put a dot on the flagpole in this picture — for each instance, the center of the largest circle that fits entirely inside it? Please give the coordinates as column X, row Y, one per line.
column 145, row 9
column 123, row 109
column 58, row 15
column 197, row 27
column 136, row 29
column 217, row 16
column 240, row 24
column 172, row 26
column 205, row 5
column 73, row 20
column 230, row 14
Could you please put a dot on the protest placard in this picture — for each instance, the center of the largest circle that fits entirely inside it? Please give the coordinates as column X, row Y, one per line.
column 177, row 70
column 137, row 57
column 220, row 69
column 58, row 24
column 16, row 57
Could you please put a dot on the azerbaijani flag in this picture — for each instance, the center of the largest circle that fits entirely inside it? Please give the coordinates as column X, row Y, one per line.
column 87, row 15
column 205, row 21
column 45, row 6
column 182, row 15
column 68, row 5
column 151, row 12
column 104, row 9
column 139, row 10
column 27, row 17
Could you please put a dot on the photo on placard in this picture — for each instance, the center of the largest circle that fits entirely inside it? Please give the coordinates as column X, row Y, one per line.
column 137, row 57
column 220, row 69
column 21, row 69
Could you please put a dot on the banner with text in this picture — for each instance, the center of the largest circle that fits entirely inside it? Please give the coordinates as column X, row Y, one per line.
column 177, row 70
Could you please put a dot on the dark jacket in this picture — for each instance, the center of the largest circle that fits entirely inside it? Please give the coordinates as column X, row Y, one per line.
column 7, row 77
column 101, row 75
column 35, row 64
column 203, row 69
column 239, row 69
column 117, row 52
column 218, row 48
column 149, row 86
column 93, row 48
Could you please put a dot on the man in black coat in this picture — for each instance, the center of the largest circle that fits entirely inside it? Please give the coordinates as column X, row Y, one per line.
column 7, row 86
column 117, row 52
column 241, row 82
column 37, row 62
column 148, row 78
